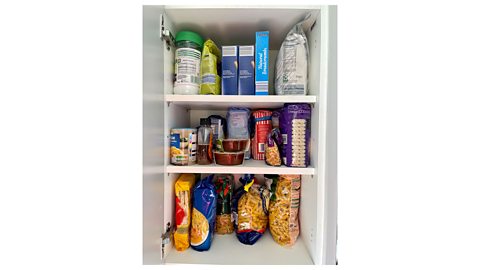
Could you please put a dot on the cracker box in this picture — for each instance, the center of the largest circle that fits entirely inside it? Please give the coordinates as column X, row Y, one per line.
column 261, row 63
column 229, row 70
column 246, row 70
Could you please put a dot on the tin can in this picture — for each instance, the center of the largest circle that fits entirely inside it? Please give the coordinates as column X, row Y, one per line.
column 183, row 146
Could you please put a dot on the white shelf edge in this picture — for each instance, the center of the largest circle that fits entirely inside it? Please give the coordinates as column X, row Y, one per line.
column 239, row 99
column 249, row 166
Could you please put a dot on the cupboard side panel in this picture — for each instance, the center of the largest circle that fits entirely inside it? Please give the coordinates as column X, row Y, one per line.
column 153, row 135
column 330, row 244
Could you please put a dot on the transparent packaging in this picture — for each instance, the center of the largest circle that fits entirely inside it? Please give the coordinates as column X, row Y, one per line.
column 205, row 143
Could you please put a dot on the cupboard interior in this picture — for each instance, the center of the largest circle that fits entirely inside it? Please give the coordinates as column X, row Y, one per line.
column 237, row 26
column 228, row 26
column 226, row 249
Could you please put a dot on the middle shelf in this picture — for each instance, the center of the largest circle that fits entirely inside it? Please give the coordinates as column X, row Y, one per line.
column 225, row 101
column 249, row 166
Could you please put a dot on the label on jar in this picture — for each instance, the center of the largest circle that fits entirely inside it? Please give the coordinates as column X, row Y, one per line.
column 187, row 66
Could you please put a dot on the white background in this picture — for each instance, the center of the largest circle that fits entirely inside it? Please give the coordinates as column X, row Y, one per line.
column 71, row 135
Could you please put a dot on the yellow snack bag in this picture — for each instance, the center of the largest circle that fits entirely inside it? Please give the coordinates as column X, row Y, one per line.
column 211, row 56
column 183, row 210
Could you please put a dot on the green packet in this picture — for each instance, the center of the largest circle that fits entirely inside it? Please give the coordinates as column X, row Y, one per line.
column 211, row 81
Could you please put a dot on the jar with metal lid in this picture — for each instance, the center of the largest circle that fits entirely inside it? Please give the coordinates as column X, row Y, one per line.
column 187, row 63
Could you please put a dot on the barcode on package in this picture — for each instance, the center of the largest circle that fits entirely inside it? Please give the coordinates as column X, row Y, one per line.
column 247, row 50
column 261, row 87
column 229, row 50
column 261, row 147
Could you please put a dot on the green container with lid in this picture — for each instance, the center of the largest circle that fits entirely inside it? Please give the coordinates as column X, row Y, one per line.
column 190, row 37
column 187, row 63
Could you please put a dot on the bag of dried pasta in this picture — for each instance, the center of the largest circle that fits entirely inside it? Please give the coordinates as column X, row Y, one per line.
column 223, row 185
column 272, row 149
column 284, row 205
column 183, row 210
column 250, row 210
column 203, row 214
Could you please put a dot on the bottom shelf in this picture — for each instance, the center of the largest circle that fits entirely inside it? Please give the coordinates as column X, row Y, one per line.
column 226, row 249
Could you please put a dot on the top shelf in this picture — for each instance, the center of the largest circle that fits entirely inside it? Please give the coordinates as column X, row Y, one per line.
column 225, row 101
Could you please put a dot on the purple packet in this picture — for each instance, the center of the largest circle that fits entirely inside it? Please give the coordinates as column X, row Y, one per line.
column 273, row 149
column 295, row 129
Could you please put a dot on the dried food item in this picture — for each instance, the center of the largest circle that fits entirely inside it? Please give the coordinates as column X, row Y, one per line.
column 183, row 209
column 250, row 210
column 203, row 214
column 291, row 68
column 283, row 209
column 295, row 128
column 272, row 150
column 211, row 56
column 187, row 63
column 262, row 124
column 224, row 187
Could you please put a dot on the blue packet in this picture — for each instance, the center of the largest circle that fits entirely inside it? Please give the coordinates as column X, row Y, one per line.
column 250, row 222
column 203, row 214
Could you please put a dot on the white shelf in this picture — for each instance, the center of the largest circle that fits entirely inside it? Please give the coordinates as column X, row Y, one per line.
column 222, row 102
column 226, row 249
column 249, row 166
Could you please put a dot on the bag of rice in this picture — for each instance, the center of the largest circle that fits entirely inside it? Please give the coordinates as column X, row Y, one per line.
column 250, row 210
column 283, row 209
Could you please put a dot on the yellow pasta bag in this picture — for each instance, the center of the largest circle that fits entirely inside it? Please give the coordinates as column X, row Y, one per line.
column 183, row 210
column 283, row 209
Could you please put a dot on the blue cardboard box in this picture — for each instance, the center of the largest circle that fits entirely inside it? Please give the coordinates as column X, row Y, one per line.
column 229, row 70
column 261, row 63
column 246, row 70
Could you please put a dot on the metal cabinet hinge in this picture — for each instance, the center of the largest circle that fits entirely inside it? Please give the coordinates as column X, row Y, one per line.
column 166, row 238
column 165, row 34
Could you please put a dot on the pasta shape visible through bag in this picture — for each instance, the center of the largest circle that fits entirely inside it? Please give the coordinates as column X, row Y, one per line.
column 283, row 210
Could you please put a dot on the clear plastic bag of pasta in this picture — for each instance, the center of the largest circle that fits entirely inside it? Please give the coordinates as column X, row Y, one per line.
column 250, row 210
column 283, row 209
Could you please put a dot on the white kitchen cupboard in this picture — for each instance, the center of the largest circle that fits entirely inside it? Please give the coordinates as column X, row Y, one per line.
column 163, row 110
